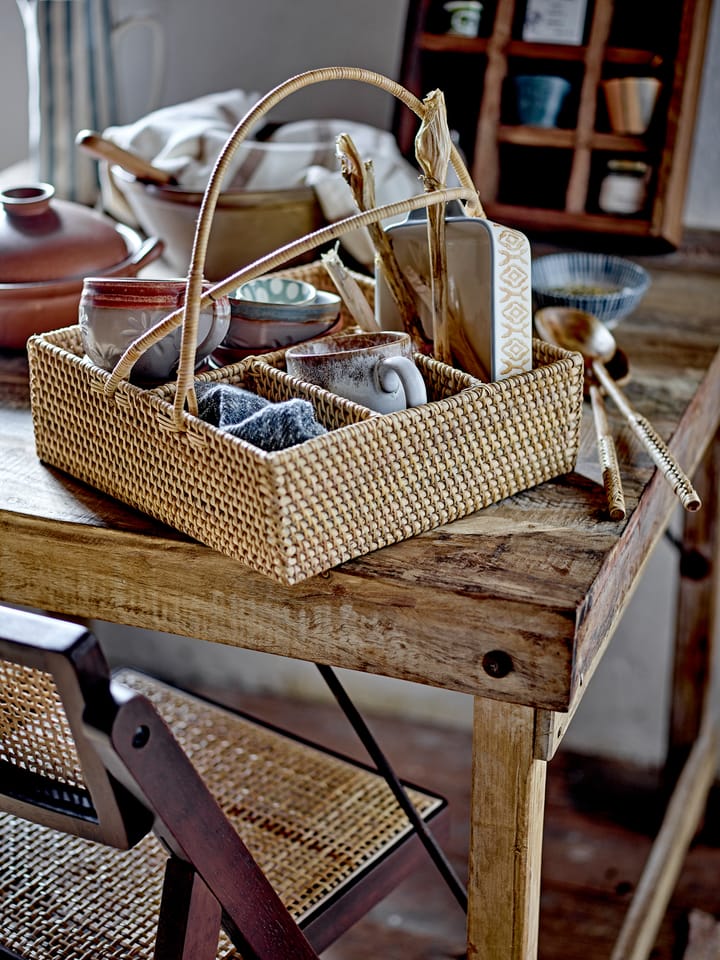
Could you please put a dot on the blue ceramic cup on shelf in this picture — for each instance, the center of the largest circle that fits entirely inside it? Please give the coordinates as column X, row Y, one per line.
column 540, row 99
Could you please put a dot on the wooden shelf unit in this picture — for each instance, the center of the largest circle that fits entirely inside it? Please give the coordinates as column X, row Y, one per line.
column 548, row 179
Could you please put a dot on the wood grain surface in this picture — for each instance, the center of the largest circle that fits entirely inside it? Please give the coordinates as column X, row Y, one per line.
column 514, row 604
column 535, row 583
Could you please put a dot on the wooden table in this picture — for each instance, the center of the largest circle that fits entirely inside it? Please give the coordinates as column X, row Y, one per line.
column 514, row 605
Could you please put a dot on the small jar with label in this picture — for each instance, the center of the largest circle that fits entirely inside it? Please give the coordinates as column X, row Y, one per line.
column 624, row 187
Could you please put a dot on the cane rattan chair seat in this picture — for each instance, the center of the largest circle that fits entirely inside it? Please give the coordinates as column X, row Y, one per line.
column 313, row 822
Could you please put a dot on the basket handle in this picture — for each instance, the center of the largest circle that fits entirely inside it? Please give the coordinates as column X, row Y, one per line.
column 189, row 314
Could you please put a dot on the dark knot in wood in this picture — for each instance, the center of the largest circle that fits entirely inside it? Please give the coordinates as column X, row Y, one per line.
column 497, row 663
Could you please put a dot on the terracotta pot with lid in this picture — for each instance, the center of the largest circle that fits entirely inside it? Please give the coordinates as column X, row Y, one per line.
column 47, row 248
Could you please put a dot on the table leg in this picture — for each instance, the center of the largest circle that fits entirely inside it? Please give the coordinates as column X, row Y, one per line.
column 506, row 830
column 696, row 620
column 694, row 734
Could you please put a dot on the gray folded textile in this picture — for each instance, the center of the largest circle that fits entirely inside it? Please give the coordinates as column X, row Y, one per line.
column 270, row 426
column 279, row 425
column 222, row 404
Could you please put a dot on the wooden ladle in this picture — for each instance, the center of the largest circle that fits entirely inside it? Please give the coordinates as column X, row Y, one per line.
column 99, row 146
column 582, row 332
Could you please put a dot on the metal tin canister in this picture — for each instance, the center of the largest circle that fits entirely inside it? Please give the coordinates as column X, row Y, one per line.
column 489, row 290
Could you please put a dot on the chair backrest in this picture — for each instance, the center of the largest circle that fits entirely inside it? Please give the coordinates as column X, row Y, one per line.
column 53, row 676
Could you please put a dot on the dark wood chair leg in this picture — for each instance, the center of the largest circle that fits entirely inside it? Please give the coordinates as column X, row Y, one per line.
column 190, row 916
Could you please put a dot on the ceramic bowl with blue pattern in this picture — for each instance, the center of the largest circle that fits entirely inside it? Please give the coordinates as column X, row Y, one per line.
column 285, row 291
column 271, row 326
column 607, row 286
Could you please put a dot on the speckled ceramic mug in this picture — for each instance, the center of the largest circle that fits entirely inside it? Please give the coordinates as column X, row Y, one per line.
column 373, row 369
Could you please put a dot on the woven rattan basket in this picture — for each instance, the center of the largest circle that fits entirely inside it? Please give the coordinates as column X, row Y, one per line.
column 370, row 481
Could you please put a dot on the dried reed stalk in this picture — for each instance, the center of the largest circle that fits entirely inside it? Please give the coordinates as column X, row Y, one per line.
column 433, row 146
column 350, row 291
column 359, row 176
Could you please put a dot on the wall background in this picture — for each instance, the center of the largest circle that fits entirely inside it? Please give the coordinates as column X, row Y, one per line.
column 222, row 44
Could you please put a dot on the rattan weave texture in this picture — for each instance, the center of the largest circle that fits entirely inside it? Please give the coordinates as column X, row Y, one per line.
column 311, row 822
column 43, row 743
column 371, row 481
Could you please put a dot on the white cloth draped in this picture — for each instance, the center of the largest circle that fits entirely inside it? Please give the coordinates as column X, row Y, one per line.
column 186, row 140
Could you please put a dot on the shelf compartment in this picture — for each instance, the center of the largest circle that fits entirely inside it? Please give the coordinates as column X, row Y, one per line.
column 559, row 52
column 525, row 136
column 523, row 168
column 544, row 219
column 631, row 57
column 449, row 43
column 618, row 142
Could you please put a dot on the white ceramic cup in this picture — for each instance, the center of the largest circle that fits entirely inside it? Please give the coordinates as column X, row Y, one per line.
column 372, row 369
column 464, row 17
column 624, row 187
column 115, row 311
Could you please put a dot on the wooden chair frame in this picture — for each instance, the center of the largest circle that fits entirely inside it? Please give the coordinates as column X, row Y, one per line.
column 128, row 756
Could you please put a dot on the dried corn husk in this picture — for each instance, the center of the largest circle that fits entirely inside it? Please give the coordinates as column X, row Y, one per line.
column 359, row 176
column 349, row 289
column 433, row 146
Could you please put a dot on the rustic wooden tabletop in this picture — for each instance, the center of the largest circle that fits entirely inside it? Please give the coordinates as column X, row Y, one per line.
column 540, row 576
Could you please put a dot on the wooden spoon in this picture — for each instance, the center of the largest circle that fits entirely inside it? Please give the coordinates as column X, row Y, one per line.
column 99, row 146
column 582, row 332
column 570, row 329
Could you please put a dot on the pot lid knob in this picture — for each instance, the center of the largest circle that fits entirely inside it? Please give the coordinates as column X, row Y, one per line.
column 29, row 201
column 44, row 238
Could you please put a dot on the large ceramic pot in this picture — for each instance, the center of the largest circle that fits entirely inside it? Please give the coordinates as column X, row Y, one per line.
column 246, row 225
column 47, row 248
